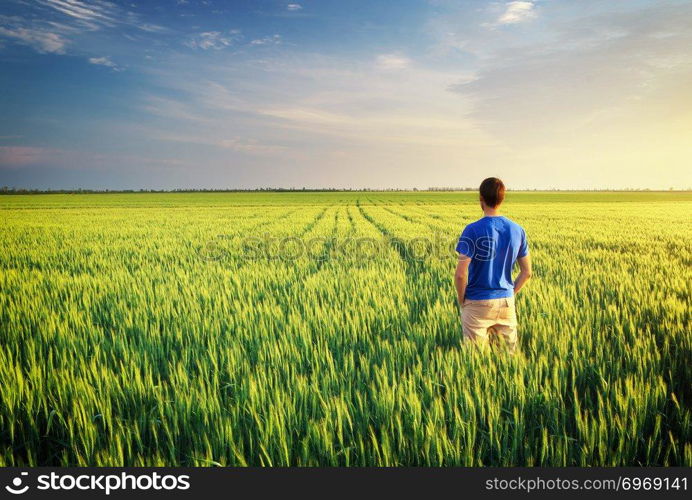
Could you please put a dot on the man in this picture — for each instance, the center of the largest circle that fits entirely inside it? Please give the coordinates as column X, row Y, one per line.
column 488, row 250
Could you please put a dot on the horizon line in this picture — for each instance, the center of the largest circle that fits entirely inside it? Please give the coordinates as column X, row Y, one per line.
column 12, row 190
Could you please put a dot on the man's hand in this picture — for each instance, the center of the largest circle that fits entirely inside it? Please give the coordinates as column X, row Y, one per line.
column 524, row 273
column 461, row 278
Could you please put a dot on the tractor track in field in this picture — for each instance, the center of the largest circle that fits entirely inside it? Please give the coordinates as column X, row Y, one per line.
column 412, row 267
column 328, row 245
column 265, row 223
column 384, row 232
column 322, row 259
column 442, row 219
column 212, row 252
column 309, row 227
column 241, row 262
column 427, row 214
column 351, row 221
column 412, row 220
column 405, row 217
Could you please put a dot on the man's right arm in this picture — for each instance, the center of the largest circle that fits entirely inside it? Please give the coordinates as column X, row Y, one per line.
column 524, row 272
column 461, row 277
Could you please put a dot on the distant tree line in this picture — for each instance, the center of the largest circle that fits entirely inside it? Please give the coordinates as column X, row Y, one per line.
column 13, row 190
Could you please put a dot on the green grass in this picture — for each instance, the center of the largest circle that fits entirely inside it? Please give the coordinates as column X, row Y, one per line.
column 122, row 343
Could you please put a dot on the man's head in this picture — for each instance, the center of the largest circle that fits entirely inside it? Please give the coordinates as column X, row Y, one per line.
column 492, row 192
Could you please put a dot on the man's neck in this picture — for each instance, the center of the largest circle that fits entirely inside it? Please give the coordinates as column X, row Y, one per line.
column 491, row 212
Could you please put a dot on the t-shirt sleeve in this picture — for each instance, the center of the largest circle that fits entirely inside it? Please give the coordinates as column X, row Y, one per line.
column 523, row 245
column 465, row 245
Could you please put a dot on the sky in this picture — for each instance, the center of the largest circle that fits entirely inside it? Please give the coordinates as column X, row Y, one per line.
column 218, row 94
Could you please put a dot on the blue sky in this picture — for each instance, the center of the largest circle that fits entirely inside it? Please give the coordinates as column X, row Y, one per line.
column 321, row 93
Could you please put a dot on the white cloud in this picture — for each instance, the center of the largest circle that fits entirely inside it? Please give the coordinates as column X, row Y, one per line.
column 249, row 146
column 152, row 28
column 238, row 144
column 19, row 156
column 294, row 6
column 97, row 14
column 213, row 40
column 172, row 109
column 38, row 38
column 16, row 157
column 517, row 12
column 267, row 40
column 53, row 26
column 92, row 15
column 322, row 101
column 104, row 61
column 50, row 26
column 392, row 61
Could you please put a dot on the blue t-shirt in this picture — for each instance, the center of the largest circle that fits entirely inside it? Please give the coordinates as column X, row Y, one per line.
column 494, row 245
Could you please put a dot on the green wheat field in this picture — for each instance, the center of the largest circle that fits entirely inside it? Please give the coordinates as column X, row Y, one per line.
column 181, row 329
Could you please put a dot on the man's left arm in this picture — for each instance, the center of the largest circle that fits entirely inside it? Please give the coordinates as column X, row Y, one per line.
column 524, row 261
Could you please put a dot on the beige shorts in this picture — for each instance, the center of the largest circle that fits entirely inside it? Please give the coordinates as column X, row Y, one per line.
column 491, row 320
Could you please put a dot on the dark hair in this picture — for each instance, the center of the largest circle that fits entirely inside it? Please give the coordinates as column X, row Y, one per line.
column 492, row 191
